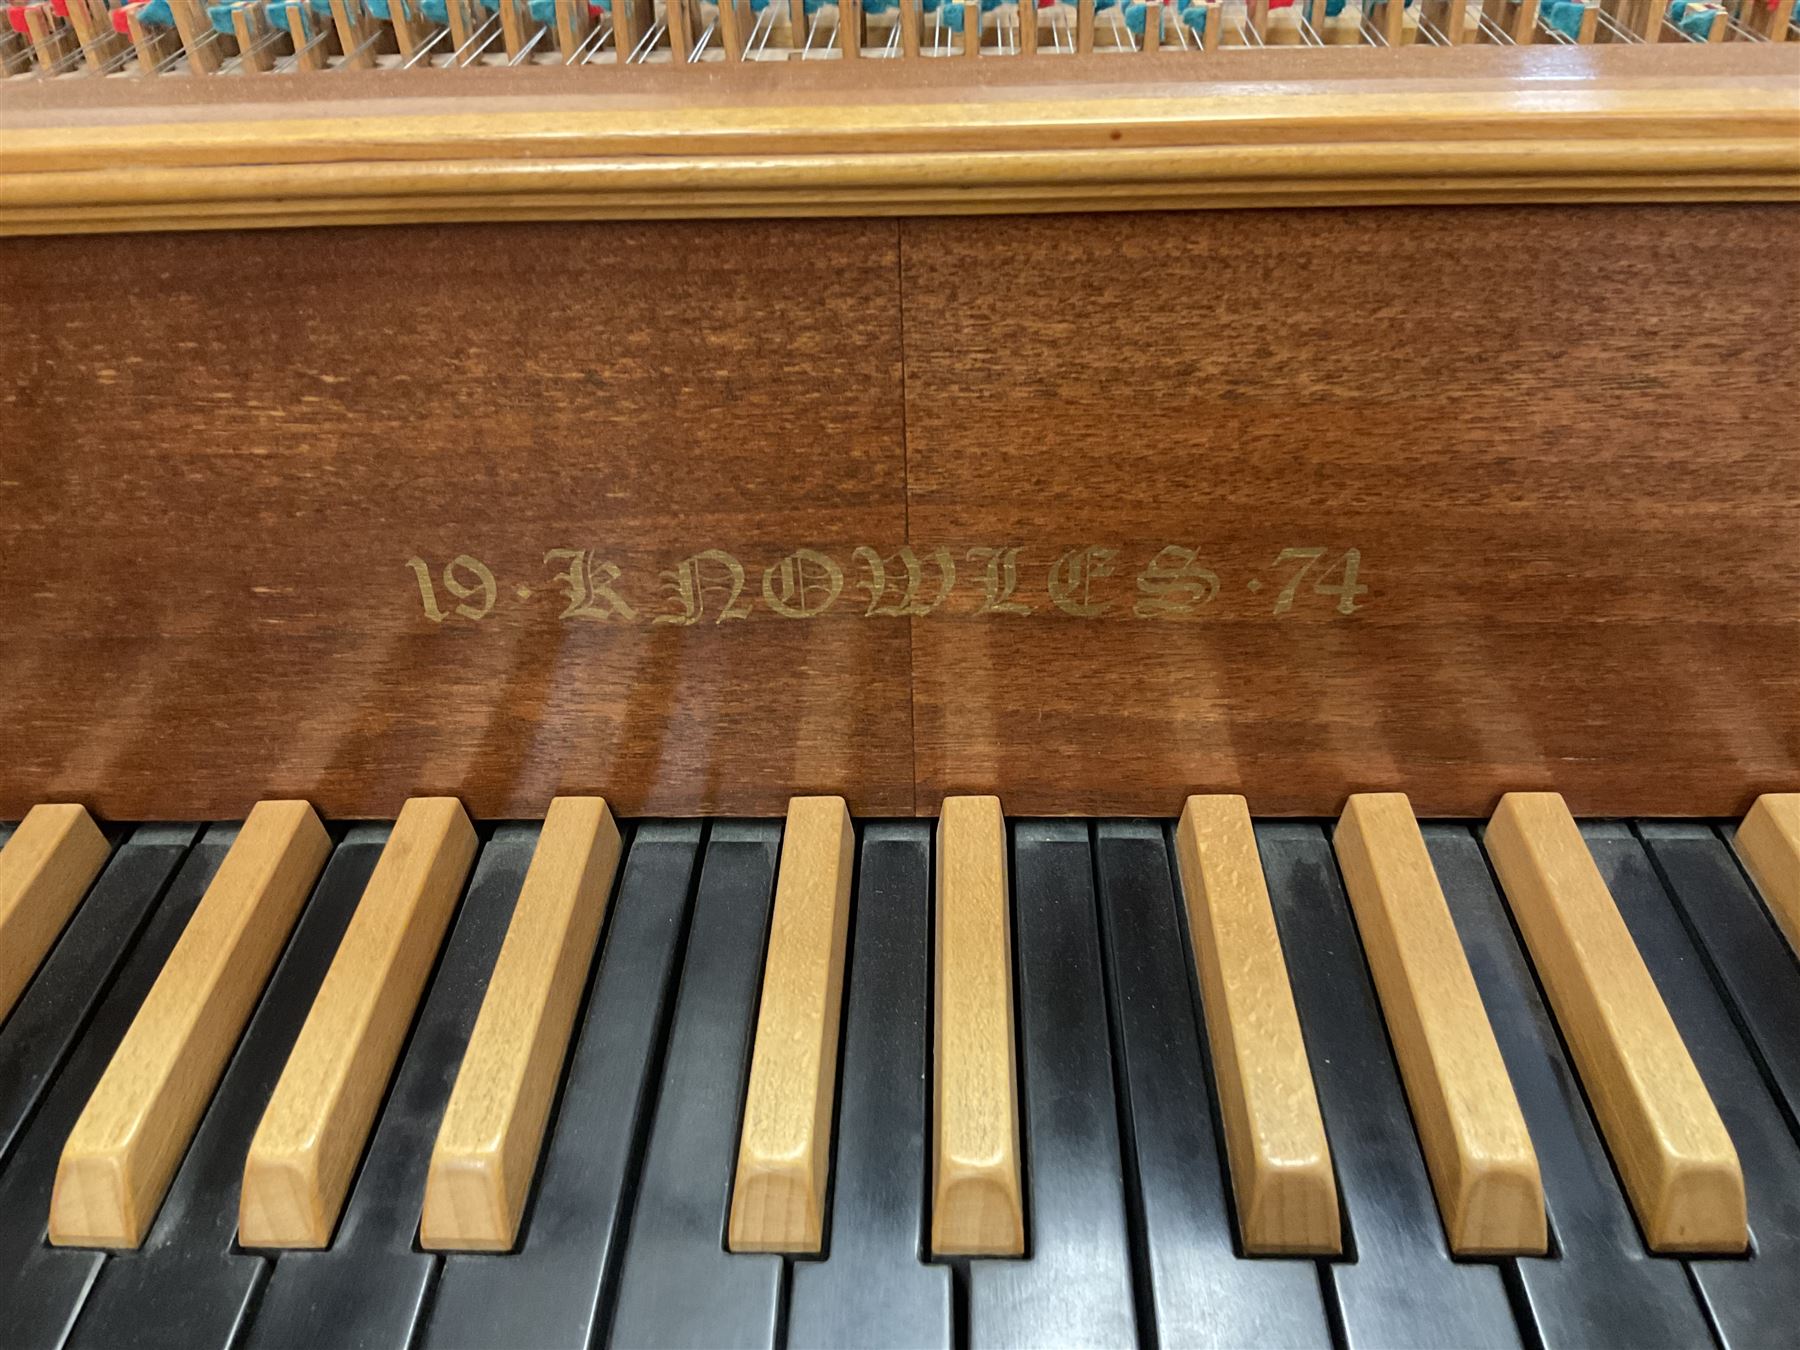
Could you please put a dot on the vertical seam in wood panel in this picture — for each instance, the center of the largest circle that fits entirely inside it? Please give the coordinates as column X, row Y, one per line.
column 912, row 674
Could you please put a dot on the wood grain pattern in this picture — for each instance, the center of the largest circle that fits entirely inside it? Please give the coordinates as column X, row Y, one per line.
column 784, row 1146
column 1471, row 1130
column 135, row 1129
column 1274, row 1135
column 1680, row 1169
column 695, row 387
column 45, row 869
column 493, row 1128
column 739, row 387
column 1537, row 508
column 977, row 1207
column 311, row 1137
column 1768, row 841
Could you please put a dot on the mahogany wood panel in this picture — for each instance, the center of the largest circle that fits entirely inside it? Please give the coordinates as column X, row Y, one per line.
column 1565, row 446
column 1562, row 441
column 219, row 452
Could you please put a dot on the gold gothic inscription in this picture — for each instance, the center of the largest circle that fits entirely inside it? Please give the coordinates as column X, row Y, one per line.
column 715, row 586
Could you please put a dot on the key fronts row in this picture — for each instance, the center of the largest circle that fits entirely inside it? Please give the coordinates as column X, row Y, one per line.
column 1678, row 1164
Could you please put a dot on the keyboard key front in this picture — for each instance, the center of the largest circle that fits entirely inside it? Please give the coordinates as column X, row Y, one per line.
column 487, row 1149
column 123, row 1152
column 1661, row 1126
column 1473, row 1135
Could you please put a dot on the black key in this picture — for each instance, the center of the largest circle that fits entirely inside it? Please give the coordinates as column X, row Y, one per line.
column 680, row 1287
column 1402, row 1288
column 1197, row 1292
column 552, row 1293
column 1751, row 1301
column 187, row 1287
column 873, row 1287
column 42, row 1287
column 367, row 1290
column 1748, row 954
column 1599, row 1287
column 1075, row 1286
column 49, row 1018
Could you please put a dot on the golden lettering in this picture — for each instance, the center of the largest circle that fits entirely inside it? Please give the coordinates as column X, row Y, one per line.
column 427, row 592
column 589, row 586
column 462, row 590
column 791, row 601
column 1072, row 577
column 909, row 603
column 999, row 581
column 1174, row 585
column 1350, row 588
column 689, row 585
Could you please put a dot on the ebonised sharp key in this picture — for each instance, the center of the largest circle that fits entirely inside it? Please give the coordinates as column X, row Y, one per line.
column 367, row 1290
column 42, row 1287
column 1600, row 1287
column 1401, row 1288
column 553, row 1291
column 48, row 1020
column 873, row 1287
column 1750, row 1299
column 187, row 1287
column 1752, row 961
column 1074, row 1286
column 679, row 1286
column 1197, row 1291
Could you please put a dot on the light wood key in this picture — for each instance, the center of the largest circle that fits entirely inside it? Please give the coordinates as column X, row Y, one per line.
column 784, row 1148
column 45, row 869
column 976, row 1208
column 1274, row 1136
column 1769, row 843
column 1471, row 1130
column 1679, row 1167
column 136, row 1127
column 487, row 1147
column 307, row 1146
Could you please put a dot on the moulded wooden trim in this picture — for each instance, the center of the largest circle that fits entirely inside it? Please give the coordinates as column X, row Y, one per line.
column 1582, row 128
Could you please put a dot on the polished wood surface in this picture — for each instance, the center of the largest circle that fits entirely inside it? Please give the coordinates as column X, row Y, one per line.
column 1275, row 1142
column 493, row 1128
column 1769, row 843
column 1572, row 544
column 1671, row 1149
column 46, row 867
column 1099, row 132
column 313, row 1133
column 977, row 1205
column 783, row 1175
column 1483, row 1167
column 134, row 1131
column 1560, row 525
column 732, row 387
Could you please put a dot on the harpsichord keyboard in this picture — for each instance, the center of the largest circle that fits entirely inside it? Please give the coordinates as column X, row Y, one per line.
column 1212, row 1081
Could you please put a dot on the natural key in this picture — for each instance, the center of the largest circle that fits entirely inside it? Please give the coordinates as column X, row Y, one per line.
column 1678, row 1164
column 312, row 1135
column 136, row 1127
